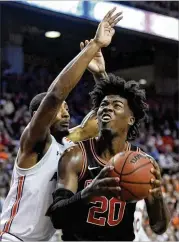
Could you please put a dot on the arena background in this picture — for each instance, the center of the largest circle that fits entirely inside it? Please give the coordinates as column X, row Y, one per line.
column 144, row 48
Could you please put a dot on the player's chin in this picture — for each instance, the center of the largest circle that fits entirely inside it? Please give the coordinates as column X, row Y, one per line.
column 108, row 128
column 62, row 130
column 62, row 133
column 106, row 124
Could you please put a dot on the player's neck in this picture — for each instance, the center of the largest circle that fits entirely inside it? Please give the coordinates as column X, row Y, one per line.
column 60, row 135
column 109, row 145
column 58, row 138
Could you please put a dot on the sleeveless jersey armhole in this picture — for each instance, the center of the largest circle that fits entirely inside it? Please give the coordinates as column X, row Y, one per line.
column 37, row 166
column 84, row 166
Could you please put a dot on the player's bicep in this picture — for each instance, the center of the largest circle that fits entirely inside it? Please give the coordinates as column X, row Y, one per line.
column 69, row 169
column 43, row 118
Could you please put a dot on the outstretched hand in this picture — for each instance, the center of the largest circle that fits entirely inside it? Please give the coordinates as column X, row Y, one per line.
column 97, row 64
column 105, row 29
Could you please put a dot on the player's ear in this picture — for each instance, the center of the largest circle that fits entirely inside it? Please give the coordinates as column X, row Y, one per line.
column 131, row 120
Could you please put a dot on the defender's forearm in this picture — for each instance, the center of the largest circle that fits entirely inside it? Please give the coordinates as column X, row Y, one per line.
column 86, row 130
column 72, row 73
column 100, row 76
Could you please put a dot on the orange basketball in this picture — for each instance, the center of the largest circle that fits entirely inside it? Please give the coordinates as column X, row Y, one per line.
column 133, row 169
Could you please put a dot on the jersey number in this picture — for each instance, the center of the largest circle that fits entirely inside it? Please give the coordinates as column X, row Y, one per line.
column 103, row 205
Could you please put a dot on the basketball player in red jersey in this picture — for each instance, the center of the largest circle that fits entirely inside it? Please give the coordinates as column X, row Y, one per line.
column 87, row 202
column 23, row 215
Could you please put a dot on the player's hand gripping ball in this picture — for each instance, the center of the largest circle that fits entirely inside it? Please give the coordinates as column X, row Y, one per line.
column 155, row 191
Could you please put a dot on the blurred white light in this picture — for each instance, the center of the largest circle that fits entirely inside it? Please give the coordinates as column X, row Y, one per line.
column 133, row 18
column 52, row 34
column 164, row 26
column 142, row 81
column 141, row 20
column 61, row 6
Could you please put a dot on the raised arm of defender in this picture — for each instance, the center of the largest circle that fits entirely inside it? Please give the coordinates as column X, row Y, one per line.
column 39, row 126
column 89, row 126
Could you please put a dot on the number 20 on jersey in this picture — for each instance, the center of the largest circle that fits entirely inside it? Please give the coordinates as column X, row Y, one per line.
column 104, row 205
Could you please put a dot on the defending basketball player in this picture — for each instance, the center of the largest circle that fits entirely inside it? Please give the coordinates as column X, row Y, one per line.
column 87, row 203
column 34, row 179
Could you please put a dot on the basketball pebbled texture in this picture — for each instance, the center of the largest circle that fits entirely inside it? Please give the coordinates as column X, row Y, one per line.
column 133, row 169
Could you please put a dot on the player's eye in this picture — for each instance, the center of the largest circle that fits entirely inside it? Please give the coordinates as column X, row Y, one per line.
column 117, row 106
column 103, row 104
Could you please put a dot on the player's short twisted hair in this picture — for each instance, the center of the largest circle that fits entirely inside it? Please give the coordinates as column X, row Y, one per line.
column 131, row 91
column 35, row 102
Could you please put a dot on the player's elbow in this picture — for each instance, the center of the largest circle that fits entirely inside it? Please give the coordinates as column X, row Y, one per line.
column 56, row 223
column 53, row 214
column 160, row 227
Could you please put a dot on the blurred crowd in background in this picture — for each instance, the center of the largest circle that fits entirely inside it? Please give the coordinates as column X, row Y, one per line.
column 159, row 138
column 162, row 7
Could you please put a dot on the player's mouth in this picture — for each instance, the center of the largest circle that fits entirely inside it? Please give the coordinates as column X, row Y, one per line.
column 106, row 117
column 65, row 124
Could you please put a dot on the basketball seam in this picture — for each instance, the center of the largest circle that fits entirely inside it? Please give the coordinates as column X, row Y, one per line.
column 120, row 174
column 129, row 192
column 123, row 165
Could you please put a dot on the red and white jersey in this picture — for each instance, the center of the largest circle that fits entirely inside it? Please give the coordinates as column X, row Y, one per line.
column 30, row 195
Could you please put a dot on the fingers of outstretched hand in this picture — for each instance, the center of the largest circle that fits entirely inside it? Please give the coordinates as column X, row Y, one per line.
column 109, row 14
column 82, row 45
column 116, row 21
column 113, row 18
column 86, row 42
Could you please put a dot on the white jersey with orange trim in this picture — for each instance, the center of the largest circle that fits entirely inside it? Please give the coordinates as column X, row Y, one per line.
column 30, row 195
column 140, row 234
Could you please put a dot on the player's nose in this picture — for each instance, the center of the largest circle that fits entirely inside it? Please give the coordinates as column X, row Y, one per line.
column 66, row 115
column 108, row 109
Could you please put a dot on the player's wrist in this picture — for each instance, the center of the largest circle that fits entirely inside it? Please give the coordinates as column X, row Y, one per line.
column 158, row 196
column 96, row 41
column 152, row 199
column 86, row 195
